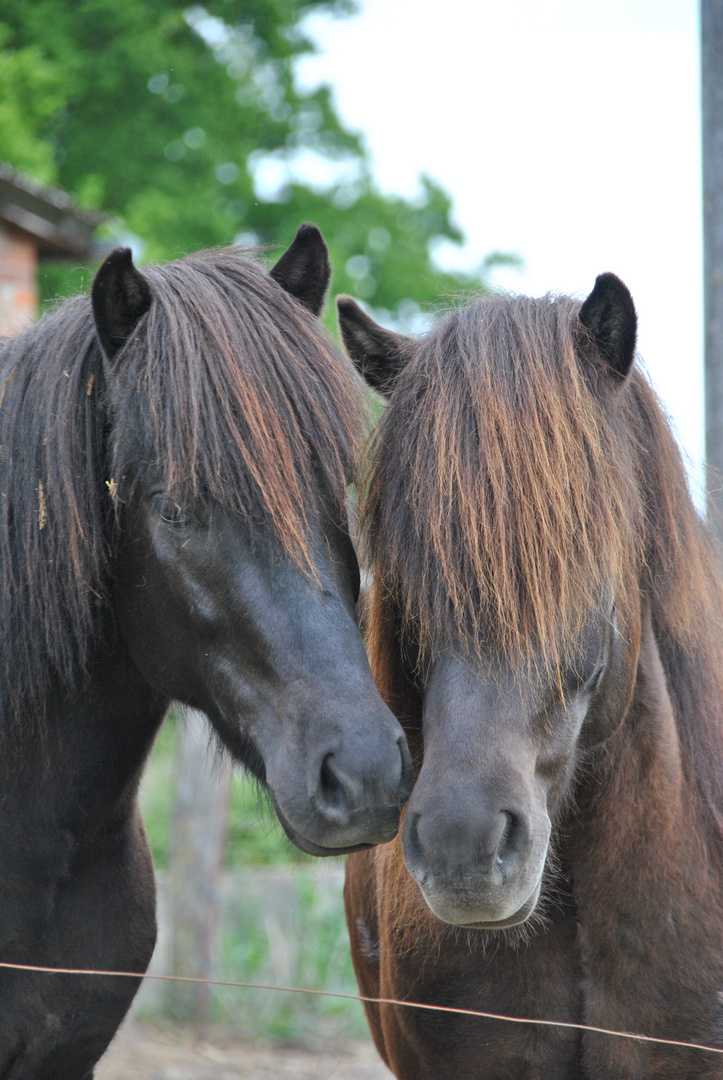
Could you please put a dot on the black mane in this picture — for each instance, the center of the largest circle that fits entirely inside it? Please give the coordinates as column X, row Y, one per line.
column 227, row 381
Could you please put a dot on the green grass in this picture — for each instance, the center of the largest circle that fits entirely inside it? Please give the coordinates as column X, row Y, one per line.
column 288, row 931
column 157, row 792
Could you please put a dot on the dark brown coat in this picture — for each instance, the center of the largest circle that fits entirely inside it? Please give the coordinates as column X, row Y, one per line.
column 546, row 623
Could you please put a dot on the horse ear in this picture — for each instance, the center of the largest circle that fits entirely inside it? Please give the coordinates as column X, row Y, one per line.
column 304, row 269
column 120, row 296
column 608, row 315
column 378, row 354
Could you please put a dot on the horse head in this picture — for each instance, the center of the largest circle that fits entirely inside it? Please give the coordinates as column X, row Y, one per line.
column 493, row 525
column 234, row 580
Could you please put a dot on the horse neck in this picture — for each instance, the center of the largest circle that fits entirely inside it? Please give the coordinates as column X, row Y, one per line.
column 640, row 835
column 85, row 763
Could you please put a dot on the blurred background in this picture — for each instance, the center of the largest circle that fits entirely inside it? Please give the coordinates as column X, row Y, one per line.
column 442, row 149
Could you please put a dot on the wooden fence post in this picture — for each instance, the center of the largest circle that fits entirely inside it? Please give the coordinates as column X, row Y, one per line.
column 711, row 29
column 200, row 826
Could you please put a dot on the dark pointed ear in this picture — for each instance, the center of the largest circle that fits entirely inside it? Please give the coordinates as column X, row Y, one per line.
column 120, row 296
column 304, row 269
column 379, row 354
column 611, row 325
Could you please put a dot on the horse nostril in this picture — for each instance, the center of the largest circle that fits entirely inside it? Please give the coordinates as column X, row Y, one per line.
column 406, row 779
column 341, row 792
column 332, row 800
column 414, row 856
column 504, row 839
column 511, row 843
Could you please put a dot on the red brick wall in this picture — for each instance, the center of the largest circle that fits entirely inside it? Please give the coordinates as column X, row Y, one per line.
column 18, row 281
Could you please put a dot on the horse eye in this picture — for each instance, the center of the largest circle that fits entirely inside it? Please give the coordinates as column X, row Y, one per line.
column 169, row 510
column 355, row 578
column 584, row 679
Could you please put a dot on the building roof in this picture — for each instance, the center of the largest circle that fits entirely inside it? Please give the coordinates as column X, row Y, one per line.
column 51, row 217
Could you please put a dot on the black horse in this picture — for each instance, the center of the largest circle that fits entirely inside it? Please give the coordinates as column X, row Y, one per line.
column 174, row 457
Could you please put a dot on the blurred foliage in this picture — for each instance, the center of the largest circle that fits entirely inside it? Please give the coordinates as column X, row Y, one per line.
column 185, row 124
column 157, row 787
column 58, row 279
column 281, row 917
column 287, row 930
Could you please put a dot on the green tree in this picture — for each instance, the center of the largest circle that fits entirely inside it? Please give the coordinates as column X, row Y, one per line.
column 185, row 123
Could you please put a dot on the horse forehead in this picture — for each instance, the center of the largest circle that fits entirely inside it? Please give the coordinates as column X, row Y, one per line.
column 485, row 683
column 492, row 679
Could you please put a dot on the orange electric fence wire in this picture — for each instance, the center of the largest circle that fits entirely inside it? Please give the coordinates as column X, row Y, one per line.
column 369, row 1000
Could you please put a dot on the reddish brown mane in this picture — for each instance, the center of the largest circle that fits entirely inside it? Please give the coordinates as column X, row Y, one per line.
column 505, row 494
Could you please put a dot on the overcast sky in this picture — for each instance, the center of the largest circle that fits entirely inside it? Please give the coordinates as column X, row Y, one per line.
column 566, row 131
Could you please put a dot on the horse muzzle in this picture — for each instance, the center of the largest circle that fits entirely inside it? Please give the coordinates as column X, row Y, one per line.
column 349, row 799
column 482, row 873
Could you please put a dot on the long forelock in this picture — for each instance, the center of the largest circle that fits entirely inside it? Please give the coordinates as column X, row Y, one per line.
column 514, row 528
column 506, row 499
column 246, row 403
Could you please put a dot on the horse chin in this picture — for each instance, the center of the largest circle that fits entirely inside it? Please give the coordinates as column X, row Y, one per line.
column 309, row 846
column 463, row 915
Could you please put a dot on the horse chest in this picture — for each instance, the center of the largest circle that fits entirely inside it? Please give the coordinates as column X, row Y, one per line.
column 660, row 987
column 539, row 979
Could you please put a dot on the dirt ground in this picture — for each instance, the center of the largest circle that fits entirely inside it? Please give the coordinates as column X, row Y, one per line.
column 143, row 1051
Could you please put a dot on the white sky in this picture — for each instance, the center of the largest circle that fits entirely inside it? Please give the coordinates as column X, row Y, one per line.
column 566, row 131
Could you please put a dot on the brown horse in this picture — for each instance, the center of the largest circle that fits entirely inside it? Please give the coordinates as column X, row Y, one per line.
column 545, row 621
